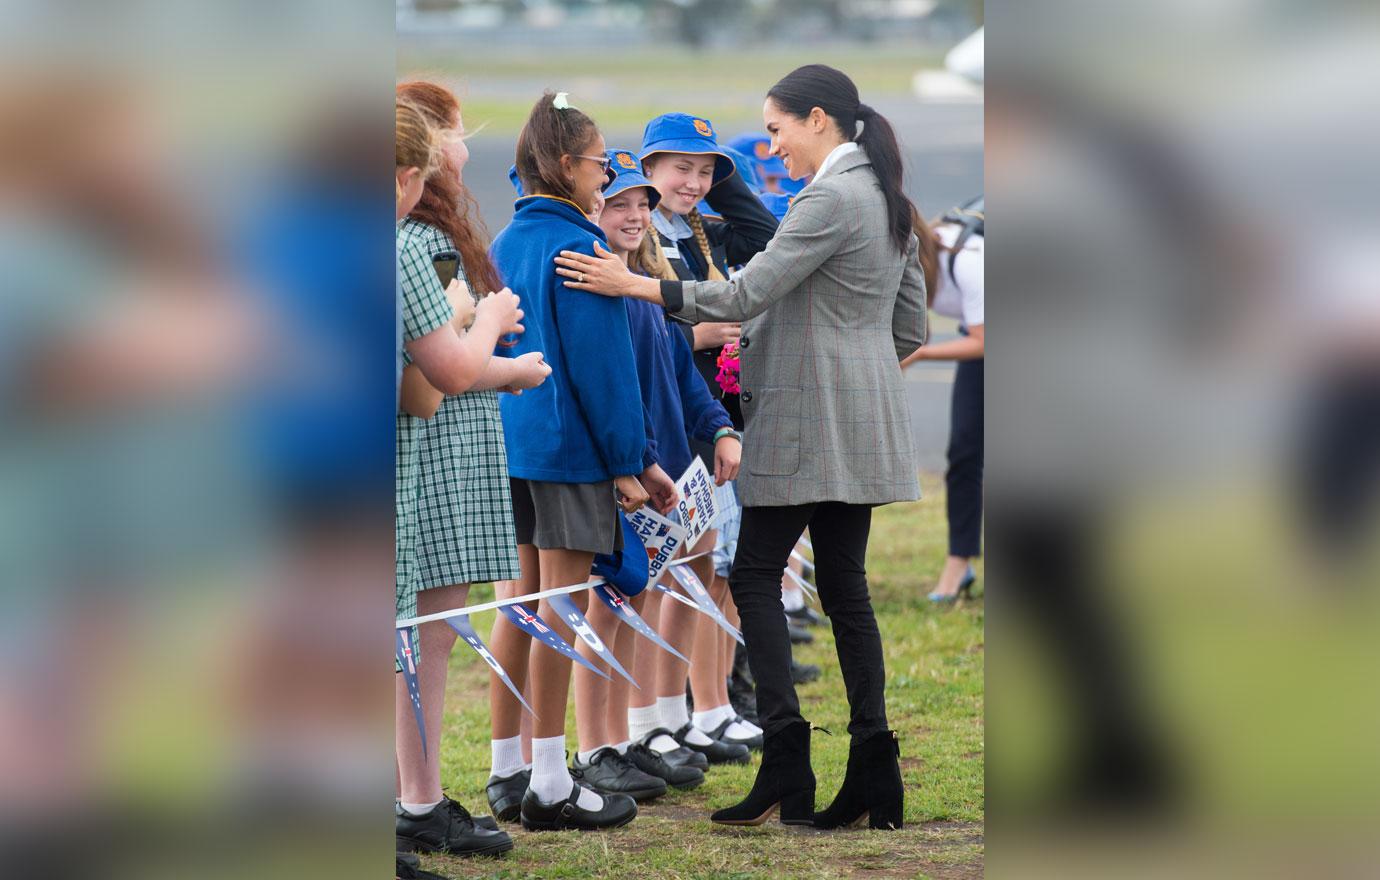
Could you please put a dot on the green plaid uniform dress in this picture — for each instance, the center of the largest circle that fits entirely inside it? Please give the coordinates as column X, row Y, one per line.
column 465, row 528
column 424, row 310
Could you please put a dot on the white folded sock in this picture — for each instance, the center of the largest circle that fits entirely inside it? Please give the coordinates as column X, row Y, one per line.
column 642, row 720
column 506, row 756
column 738, row 731
column 622, row 748
column 674, row 717
column 712, row 718
column 583, row 757
column 793, row 598
column 750, row 726
column 418, row 809
column 551, row 780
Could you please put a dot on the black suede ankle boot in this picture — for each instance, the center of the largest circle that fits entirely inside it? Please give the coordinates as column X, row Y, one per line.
column 785, row 780
column 871, row 786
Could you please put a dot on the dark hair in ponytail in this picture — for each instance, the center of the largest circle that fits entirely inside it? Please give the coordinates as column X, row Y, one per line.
column 818, row 85
column 549, row 134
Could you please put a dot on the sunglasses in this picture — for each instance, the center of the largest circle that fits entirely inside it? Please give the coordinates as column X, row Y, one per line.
column 604, row 161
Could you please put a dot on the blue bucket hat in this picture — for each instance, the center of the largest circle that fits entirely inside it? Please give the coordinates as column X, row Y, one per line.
column 626, row 569
column 683, row 133
column 628, row 170
column 758, row 146
column 744, row 166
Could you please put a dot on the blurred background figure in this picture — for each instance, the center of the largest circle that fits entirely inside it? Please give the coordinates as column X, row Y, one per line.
column 188, row 566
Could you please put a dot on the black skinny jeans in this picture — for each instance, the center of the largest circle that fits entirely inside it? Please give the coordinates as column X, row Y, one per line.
column 839, row 532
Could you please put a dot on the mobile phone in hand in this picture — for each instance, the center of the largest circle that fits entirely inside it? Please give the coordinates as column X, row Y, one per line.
column 446, row 264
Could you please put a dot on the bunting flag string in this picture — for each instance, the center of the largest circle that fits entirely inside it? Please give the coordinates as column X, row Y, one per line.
column 810, row 589
column 619, row 604
column 575, row 619
column 690, row 582
column 407, row 660
column 530, row 623
column 465, row 628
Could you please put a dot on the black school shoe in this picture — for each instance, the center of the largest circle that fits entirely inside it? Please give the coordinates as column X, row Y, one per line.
column 505, row 794
column 611, row 773
column 410, row 868
column 682, row 777
column 618, row 810
column 753, row 742
column 717, row 752
column 450, row 829
column 799, row 635
column 680, row 756
column 805, row 616
column 803, row 673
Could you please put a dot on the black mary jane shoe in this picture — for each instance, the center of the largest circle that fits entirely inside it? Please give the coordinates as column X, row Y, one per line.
column 681, row 777
column 871, row 786
column 785, row 782
column 617, row 811
column 680, row 756
column 505, row 794
column 798, row 634
column 449, row 829
column 717, row 751
column 720, row 733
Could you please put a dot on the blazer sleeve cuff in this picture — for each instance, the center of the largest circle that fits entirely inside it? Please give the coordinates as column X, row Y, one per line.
column 672, row 296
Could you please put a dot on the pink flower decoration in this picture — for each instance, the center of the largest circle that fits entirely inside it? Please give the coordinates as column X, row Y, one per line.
column 729, row 365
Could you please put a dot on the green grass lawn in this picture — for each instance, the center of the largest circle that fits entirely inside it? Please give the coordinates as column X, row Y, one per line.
column 934, row 698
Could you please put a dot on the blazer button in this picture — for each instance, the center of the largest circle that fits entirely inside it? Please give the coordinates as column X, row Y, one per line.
column 747, row 396
column 744, row 342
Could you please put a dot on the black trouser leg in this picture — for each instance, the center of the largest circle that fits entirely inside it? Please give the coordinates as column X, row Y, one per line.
column 764, row 546
column 840, row 538
column 963, row 479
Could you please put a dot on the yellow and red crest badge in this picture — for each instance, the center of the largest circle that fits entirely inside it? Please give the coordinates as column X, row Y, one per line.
column 703, row 128
column 626, row 160
column 763, row 149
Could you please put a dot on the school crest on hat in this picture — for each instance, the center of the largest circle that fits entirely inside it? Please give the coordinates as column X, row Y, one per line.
column 762, row 149
column 702, row 126
column 626, row 160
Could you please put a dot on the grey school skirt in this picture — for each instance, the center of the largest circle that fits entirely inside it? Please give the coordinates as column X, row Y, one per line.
column 567, row 516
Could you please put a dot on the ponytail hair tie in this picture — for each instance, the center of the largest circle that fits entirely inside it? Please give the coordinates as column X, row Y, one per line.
column 865, row 112
column 561, row 101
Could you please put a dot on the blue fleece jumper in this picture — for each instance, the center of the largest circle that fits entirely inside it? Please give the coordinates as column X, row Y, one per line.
column 585, row 423
column 673, row 392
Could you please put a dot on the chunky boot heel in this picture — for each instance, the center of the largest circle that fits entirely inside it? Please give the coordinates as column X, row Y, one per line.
column 784, row 781
column 798, row 808
column 872, row 787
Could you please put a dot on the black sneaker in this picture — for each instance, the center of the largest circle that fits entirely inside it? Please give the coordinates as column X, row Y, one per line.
column 803, row 673
column 720, row 733
column 680, row 756
column 618, row 810
column 449, row 829
column 611, row 773
column 717, row 752
column 805, row 616
column 799, row 635
column 682, row 777
column 505, row 794
column 410, row 868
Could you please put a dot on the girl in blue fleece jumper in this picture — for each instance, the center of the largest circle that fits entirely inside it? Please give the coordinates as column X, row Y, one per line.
column 577, row 444
column 678, row 404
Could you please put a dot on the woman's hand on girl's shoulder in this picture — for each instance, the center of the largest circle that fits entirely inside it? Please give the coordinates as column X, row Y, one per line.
column 604, row 273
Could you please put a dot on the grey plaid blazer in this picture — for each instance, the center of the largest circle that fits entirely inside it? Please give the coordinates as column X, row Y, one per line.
column 829, row 309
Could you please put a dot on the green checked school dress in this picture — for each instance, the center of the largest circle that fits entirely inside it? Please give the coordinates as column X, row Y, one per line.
column 465, row 528
column 425, row 310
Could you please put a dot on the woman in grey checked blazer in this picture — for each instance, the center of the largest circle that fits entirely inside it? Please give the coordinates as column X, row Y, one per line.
column 830, row 308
